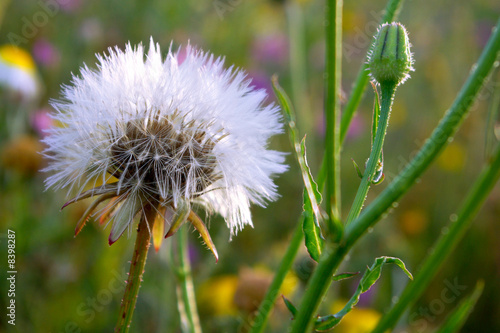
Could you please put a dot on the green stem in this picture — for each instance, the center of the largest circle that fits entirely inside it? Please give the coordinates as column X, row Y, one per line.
column 385, row 111
column 317, row 286
column 432, row 147
column 332, row 257
column 137, row 264
column 330, row 260
column 332, row 106
column 298, row 63
column 186, row 301
column 391, row 13
column 267, row 304
column 446, row 243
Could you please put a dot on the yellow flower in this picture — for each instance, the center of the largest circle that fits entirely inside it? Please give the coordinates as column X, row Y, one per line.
column 17, row 57
column 216, row 296
column 413, row 221
column 18, row 72
column 453, row 158
column 359, row 320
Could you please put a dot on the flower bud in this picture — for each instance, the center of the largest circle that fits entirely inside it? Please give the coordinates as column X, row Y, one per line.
column 390, row 60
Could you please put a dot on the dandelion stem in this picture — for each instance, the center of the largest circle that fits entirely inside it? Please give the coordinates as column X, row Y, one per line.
column 137, row 264
column 186, row 302
column 385, row 111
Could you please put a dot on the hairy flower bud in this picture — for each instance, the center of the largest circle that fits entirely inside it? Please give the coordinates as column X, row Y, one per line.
column 390, row 59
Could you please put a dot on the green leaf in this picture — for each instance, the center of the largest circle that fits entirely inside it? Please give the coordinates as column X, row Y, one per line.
column 457, row 318
column 312, row 196
column 290, row 306
column 311, row 186
column 356, row 167
column 312, row 233
column 343, row 276
column 371, row 275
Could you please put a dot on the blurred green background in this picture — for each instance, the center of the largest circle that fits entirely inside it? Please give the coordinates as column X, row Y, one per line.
column 67, row 284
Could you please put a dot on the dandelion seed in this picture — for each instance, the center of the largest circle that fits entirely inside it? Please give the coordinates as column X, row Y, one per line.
column 165, row 133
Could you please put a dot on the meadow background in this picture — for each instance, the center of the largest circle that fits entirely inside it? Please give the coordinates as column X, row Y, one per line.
column 67, row 284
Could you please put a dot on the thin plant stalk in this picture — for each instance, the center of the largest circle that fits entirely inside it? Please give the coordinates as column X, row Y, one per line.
column 186, row 302
column 446, row 243
column 298, row 63
column 142, row 243
column 331, row 258
column 333, row 22
column 267, row 304
column 391, row 13
column 433, row 146
column 383, row 122
column 317, row 286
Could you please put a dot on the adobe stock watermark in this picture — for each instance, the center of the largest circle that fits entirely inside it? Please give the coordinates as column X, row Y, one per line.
column 223, row 6
column 87, row 310
column 31, row 26
column 420, row 319
column 362, row 38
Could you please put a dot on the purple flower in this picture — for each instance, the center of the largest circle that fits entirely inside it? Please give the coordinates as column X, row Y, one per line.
column 41, row 122
column 270, row 49
column 45, row 53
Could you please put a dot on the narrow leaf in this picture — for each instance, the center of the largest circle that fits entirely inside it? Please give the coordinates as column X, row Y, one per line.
column 457, row 318
column 370, row 276
column 372, row 273
column 290, row 306
column 356, row 167
column 344, row 276
column 312, row 196
column 312, row 233
column 300, row 148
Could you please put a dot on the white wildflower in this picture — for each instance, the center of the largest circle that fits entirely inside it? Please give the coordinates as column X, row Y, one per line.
column 165, row 133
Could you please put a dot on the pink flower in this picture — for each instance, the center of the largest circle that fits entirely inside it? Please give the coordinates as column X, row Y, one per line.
column 270, row 49
column 45, row 53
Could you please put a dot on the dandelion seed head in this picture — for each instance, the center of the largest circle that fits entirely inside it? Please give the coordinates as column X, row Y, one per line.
column 158, row 130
